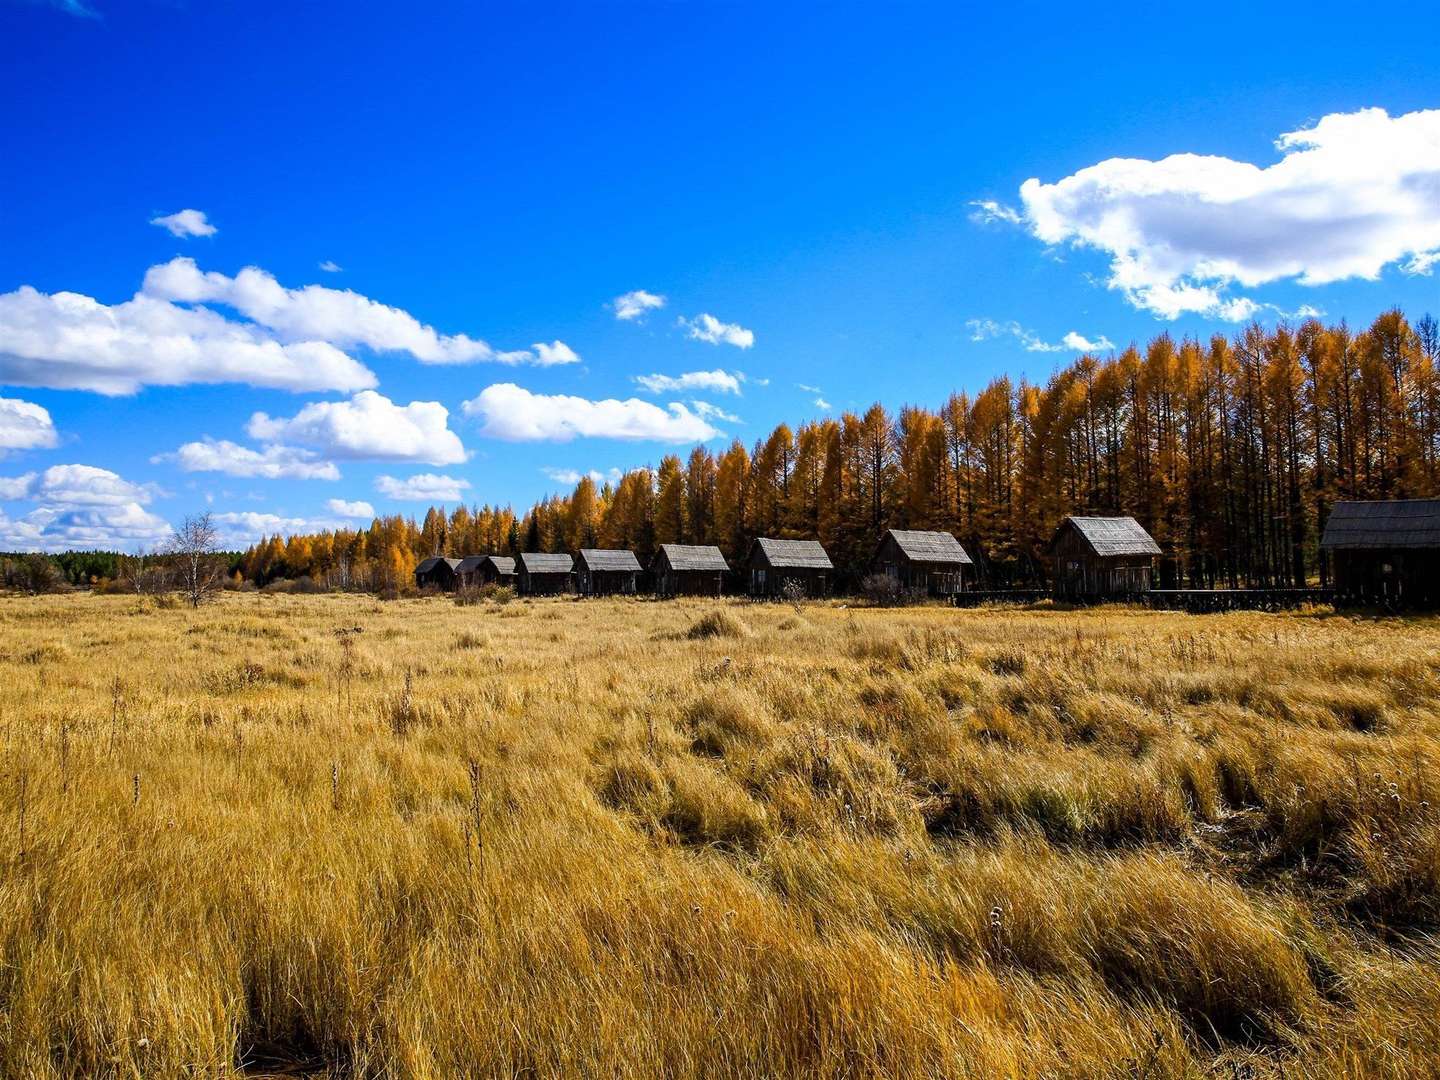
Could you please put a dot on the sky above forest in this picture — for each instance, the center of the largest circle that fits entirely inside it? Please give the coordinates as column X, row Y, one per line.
column 302, row 264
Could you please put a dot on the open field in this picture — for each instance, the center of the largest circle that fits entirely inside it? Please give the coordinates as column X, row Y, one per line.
column 698, row 839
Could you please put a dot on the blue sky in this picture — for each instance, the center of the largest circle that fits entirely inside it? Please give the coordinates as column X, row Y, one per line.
column 837, row 187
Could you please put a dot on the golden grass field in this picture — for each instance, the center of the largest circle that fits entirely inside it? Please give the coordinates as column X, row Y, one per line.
column 693, row 839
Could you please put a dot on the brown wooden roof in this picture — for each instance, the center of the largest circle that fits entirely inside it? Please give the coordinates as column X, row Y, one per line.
column 929, row 547
column 794, row 554
column 693, row 557
column 1112, row 535
column 539, row 562
column 601, row 559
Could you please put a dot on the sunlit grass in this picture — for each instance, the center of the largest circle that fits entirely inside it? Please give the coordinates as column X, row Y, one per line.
column 697, row 839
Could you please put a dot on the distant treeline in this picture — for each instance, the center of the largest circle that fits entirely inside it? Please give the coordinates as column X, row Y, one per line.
column 115, row 571
column 1230, row 451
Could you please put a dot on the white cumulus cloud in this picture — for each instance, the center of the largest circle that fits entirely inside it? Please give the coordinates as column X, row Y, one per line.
column 717, row 381
column 341, row 317
column 273, row 462
column 67, row 341
column 185, row 223
column 511, row 412
column 422, row 487
column 350, row 508
column 25, row 426
column 634, row 305
column 557, row 352
column 79, row 506
column 367, row 427
column 710, row 329
column 74, row 485
column 1350, row 195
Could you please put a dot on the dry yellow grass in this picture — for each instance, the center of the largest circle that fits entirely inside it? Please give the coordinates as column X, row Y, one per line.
column 697, row 840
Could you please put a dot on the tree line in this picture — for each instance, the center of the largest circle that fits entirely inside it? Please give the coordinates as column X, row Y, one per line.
column 1229, row 451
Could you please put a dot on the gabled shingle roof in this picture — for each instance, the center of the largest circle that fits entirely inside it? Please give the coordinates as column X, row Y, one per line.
column 536, row 562
column 930, row 547
column 1113, row 535
column 426, row 565
column 503, row 564
column 694, row 557
column 600, row 559
column 469, row 564
column 794, row 554
column 1388, row 523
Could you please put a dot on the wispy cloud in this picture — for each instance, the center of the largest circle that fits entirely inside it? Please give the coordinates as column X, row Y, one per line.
column 185, row 223
column 709, row 329
column 987, row 329
column 990, row 212
column 570, row 477
column 717, row 381
column 330, row 266
column 633, row 305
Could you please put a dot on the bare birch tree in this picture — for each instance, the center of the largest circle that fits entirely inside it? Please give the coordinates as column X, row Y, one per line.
column 195, row 549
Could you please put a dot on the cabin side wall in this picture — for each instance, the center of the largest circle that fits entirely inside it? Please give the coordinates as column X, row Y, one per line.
column 1080, row 574
column 1408, row 577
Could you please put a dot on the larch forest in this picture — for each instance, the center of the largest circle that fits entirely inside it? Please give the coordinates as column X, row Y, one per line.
column 1230, row 452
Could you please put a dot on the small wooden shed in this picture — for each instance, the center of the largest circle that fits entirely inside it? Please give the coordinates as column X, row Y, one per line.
column 436, row 572
column 1385, row 552
column 467, row 574
column 541, row 574
column 778, row 567
column 1096, row 558
column 497, row 570
column 929, row 563
column 689, row 570
column 606, row 573
column 477, row 570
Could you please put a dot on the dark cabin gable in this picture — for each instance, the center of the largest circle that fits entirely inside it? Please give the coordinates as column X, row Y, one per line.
column 932, row 563
column 1385, row 552
column 436, row 572
column 688, row 570
column 541, row 573
column 1095, row 558
column 604, row 573
column 779, row 567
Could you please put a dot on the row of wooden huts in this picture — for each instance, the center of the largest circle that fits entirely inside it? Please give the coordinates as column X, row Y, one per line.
column 1381, row 551
column 932, row 563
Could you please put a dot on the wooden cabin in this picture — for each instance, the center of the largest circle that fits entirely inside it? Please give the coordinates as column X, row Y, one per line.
column 607, row 573
column 436, row 572
column 467, row 574
column 540, row 574
column 922, row 563
column 477, row 570
column 1385, row 552
column 689, row 570
column 497, row 570
column 1099, row 558
column 779, row 568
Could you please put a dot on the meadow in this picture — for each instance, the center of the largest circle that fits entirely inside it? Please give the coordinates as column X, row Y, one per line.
column 329, row 835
